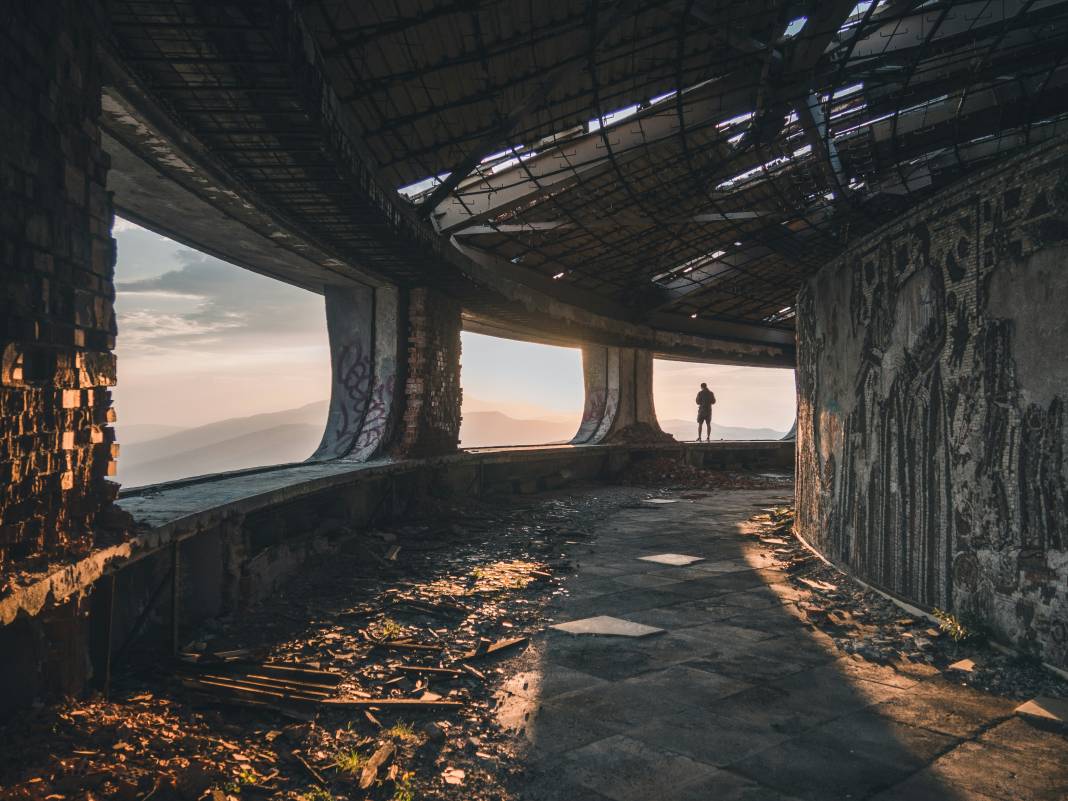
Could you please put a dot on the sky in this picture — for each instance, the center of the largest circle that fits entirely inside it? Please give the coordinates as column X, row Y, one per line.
column 201, row 340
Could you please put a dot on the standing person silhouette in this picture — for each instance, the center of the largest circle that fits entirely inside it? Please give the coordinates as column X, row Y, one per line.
column 705, row 399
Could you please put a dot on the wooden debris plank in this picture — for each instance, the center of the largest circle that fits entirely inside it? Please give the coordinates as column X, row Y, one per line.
column 390, row 702
column 312, row 771
column 300, row 671
column 377, row 760
column 404, row 645
column 497, row 647
column 211, row 685
column 432, row 671
column 269, row 684
column 474, row 671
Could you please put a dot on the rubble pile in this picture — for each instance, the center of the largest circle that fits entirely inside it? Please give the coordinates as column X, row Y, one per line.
column 639, row 434
column 866, row 624
column 370, row 676
column 675, row 473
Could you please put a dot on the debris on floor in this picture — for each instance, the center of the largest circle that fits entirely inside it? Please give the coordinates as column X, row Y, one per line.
column 371, row 675
column 864, row 623
column 639, row 434
column 674, row 473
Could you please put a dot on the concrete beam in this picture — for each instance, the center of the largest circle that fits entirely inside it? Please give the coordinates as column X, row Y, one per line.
column 602, row 322
column 163, row 181
column 616, row 221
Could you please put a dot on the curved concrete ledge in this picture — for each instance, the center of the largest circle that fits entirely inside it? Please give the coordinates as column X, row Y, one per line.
column 179, row 510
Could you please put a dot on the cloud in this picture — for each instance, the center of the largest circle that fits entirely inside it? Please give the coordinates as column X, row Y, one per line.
column 147, row 331
column 206, row 302
column 121, row 226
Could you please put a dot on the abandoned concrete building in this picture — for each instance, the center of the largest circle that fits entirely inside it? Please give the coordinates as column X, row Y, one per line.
column 874, row 194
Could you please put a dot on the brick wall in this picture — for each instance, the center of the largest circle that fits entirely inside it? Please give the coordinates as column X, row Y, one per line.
column 431, row 422
column 57, row 325
column 932, row 379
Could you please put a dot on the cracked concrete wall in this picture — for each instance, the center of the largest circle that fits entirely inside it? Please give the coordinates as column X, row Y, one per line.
column 932, row 377
column 57, row 323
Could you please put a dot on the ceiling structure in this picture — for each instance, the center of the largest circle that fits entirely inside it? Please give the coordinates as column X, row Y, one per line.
column 680, row 164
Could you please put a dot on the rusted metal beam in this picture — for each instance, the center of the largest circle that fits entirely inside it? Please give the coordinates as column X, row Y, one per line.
column 498, row 137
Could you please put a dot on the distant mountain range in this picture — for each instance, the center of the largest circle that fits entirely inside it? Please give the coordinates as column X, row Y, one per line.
column 274, row 438
column 154, row 453
column 686, row 430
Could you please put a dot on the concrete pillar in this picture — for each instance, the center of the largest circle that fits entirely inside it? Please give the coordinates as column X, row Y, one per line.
column 396, row 374
column 619, row 396
column 430, row 425
column 57, row 323
column 365, row 355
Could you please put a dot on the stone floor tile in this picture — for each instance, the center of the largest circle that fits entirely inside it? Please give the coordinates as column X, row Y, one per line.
column 1009, row 775
column 673, row 559
column 925, row 786
column 718, row 584
column 679, row 616
column 868, row 735
column 948, row 708
column 709, row 738
column 605, row 625
column 616, row 603
column 643, row 580
column 547, row 785
column 609, row 664
column 727, row 786
column 548, row 731
column 698, row 689
column 760, row 597
column 811, row 771
column 1031, row 737
column 1051, row 711
column 549, row 681
column 764, row 706
column 627, row 770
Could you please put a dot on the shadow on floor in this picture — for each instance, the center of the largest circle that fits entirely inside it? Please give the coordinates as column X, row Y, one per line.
column 738, row 698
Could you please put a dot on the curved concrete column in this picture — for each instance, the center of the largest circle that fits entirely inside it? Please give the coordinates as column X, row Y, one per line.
column 363, row 325
column 792, row 433
column 619, row 393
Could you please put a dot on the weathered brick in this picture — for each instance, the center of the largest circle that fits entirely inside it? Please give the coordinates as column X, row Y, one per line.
column 56, row 265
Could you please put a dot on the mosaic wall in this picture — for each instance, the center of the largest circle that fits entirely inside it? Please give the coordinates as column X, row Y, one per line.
column 932, row 377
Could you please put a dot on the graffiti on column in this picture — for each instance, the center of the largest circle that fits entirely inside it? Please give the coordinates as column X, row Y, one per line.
column 594, row 409
column 376, row 420
column 353, row 375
